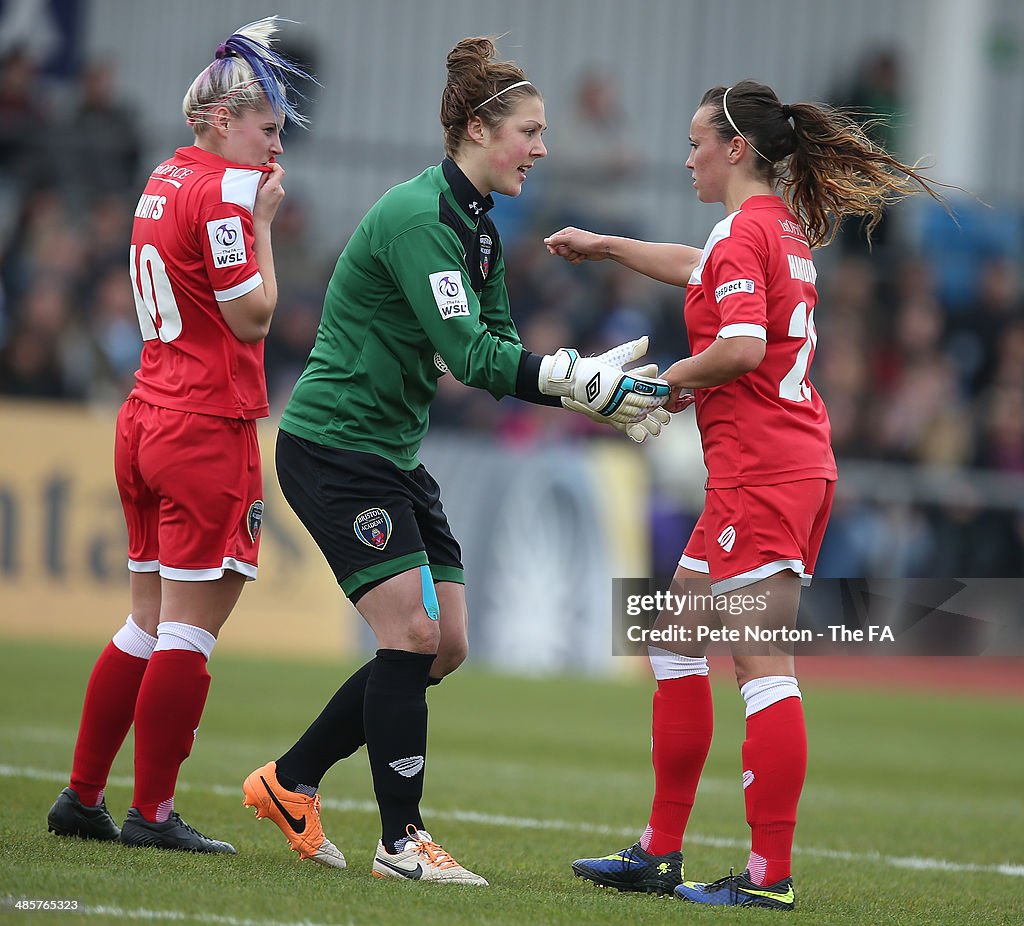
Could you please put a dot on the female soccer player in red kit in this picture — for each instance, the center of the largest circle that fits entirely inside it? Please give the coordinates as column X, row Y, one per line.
column 749, row 312
column 185, row 456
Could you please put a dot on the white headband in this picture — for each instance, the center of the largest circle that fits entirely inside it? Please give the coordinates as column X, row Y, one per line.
column 522, row 83
column 736, row 127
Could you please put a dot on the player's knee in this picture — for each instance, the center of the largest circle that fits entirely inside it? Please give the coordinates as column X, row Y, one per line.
column 422, row 635
column 746, row 669
column 749, row 668
column 450, row 655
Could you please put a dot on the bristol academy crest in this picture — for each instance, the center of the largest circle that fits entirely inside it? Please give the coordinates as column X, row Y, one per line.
column 254, row 519
column 485, row 255
column 373, row 527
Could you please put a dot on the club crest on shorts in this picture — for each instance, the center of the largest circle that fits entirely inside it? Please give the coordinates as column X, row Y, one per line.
column 254, row 519
column 485, row 255
column 373, row 527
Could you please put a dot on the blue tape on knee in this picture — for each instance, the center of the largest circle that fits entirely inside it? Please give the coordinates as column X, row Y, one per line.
column 430, row 604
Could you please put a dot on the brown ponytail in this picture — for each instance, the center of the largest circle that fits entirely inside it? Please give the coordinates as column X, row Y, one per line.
column 825, row 164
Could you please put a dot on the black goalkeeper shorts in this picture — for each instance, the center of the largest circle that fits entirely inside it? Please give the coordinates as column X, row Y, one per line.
column 370, row 519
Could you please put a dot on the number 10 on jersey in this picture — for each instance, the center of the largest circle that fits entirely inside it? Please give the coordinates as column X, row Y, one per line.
column 154, row 299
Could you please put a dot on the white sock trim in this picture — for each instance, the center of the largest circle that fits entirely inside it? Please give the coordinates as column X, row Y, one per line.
column 760, row 693
column 133, row 640
column 667, row 664
column 175, row 635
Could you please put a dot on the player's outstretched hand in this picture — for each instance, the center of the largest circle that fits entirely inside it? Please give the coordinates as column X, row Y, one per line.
column 601, row 385
column 576, row 245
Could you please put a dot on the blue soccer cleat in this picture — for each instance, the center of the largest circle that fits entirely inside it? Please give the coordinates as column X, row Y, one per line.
column 739, row 891
column 633, row 869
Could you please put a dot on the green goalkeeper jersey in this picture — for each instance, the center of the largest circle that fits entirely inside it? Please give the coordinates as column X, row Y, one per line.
column 418, row 291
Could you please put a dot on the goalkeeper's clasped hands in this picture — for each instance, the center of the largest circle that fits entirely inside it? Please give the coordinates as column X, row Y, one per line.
column 630, row 401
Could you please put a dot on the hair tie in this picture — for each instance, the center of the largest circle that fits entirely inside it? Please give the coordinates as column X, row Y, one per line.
column 787, row 113
column 223, row 51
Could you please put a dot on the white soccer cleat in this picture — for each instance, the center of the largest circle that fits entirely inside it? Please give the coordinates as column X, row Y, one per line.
column 421, row 859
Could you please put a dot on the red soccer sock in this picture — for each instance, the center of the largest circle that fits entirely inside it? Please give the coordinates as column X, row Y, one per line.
column 170, row 706
column 682, row 724
column 106, row 718
column 774, row 767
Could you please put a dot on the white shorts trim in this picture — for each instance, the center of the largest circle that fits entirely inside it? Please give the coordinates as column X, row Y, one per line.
column 756, row 575
column 209, row 575
column 696, row 565
column 226, row 295
column 151, row 565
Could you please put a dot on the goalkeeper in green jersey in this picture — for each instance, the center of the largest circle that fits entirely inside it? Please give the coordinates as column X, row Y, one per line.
column 418, row 292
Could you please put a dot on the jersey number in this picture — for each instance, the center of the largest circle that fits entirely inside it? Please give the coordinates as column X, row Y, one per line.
column 154, row 299
column 794, row 385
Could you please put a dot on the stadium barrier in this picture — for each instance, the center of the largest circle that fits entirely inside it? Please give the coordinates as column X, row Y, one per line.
column 63, row 565
column 542, row 533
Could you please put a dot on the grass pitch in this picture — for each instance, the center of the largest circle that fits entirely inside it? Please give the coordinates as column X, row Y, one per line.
column 912, row 813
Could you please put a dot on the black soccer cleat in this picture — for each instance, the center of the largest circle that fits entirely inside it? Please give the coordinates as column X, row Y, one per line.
column 173, row 833
column 739, row 891
column 633, row 869
column 70, row 817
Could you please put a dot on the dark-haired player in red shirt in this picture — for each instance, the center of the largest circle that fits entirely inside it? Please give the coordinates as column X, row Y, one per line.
column 750, row 304
column 185, row 456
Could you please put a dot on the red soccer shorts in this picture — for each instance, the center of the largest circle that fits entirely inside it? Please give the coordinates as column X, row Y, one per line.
column 750, row 533
column 191, row 487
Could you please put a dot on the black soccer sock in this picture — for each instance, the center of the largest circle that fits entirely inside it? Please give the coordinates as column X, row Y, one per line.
column 333, row 736
column 395, row 720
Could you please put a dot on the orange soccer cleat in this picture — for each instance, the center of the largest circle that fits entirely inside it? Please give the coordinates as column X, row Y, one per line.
column 297, row 815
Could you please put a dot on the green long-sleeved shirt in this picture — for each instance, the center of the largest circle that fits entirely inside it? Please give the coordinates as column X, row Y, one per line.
column 418, row 290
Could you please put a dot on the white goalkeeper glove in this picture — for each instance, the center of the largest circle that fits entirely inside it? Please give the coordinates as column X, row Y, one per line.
column 650, row 426
column 601, row 385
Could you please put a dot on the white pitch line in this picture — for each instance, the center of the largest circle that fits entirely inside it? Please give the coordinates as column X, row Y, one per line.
column 176, row 916
column 571, row 826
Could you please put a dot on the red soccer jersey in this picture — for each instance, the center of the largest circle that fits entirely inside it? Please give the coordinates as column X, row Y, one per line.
column 192, row 248
column 756, row 278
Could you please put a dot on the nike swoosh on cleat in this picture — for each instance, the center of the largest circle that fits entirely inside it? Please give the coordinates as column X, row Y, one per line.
column 298, row 825
column 788, row 897
column 412, row 874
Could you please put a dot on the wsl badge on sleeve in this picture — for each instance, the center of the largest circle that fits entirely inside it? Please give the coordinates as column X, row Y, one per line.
column 446, row 286
column 373, row 527
column 485, row 255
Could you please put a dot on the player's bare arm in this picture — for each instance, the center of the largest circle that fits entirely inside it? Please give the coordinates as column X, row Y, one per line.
column 723, row 361
column 663, row 261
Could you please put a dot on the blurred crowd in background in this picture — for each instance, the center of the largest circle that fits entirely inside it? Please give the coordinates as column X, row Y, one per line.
column 920, row 355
